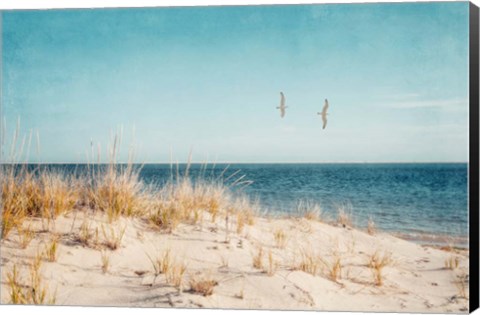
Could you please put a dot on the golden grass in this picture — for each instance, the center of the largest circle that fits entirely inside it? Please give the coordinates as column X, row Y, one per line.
column 173, row 269
column 165, row 215
column 25, row 236
column 309, row 262
column 105, row 258
column 17, row 295
column 202, row 285
column 280, row 237
column 162, row 263
column 241, row 219
column 257, row 259
column 184, row 202
column 272, row 266
column 174, row 274
column 117, row 191
column 84, row 235
column 112, row 238
column 376, row 262
column 51, row 249
column 58, row 193
column 334, row 268
column 41, row 193
column 35, row 291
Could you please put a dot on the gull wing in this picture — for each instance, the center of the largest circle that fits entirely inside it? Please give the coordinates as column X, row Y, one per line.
column 325, row 107
column 324, row 114
column 282, row 105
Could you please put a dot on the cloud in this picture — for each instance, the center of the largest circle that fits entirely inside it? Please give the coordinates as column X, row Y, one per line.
column 449, row 104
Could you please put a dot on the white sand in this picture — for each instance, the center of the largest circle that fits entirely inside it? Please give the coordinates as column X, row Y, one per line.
column 416, row 280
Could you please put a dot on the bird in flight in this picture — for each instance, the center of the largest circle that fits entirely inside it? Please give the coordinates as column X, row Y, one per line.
column 282, row 105
column 324, row 114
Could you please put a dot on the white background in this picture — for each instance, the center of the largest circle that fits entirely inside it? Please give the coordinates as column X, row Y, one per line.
column 45, row 4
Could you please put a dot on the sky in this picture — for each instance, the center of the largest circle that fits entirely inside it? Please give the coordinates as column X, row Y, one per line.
column 207, row 80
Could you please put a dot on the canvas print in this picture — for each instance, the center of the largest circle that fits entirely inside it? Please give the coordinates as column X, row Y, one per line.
column 287, row 157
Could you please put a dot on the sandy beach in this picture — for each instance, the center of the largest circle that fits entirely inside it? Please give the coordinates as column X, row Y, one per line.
column 267, row 263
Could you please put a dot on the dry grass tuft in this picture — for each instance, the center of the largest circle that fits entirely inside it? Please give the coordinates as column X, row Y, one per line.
column 280, row 238
column 309, row 262
column 309, row 210
column 113, row 238
column 161, row 264
column 202, row 285
column 33, row 292
column 334, row 268
column 17, row 295
column 241, row 219
column 105, row 257
column 39, row 193
column 117, row 191
column 51, row 249
column 25, row 236
column 344, row 217
column 272, row 265
column 173, row 269
column 258, row 259
column 85, row 235
column 376, row 263
column 165, row 215
column 174, row 274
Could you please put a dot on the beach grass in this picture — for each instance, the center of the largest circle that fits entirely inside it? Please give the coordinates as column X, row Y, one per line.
column 105, row 259
column 280, row 237
column 202, row 285
column 113, row 236
column 377, row 262
column 257, row 258
column 310, row 262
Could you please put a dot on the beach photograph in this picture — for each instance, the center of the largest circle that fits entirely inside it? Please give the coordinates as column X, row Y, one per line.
column 256, row 157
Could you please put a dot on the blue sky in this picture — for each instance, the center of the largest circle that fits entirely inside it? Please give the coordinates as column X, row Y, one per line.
column 207, row 79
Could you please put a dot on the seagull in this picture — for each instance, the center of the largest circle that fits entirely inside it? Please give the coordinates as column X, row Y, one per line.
column 324, row 114
column 282, row 105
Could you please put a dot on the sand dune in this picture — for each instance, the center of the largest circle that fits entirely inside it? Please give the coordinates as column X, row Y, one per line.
column 309, row 265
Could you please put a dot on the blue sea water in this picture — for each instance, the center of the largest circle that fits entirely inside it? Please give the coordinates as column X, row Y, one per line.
column 427, row 203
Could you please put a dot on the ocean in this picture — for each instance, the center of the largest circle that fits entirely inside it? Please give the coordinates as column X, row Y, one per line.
column 426, row 203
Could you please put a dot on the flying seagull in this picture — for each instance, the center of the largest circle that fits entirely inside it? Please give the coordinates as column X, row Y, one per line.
column 282, row 105
column 324, row 114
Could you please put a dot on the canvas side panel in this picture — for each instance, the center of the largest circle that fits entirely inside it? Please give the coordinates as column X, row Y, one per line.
column 473, row 163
